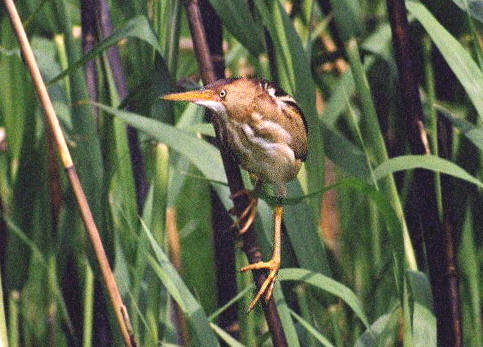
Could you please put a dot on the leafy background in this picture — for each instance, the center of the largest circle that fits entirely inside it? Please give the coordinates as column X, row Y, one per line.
column 352, row 274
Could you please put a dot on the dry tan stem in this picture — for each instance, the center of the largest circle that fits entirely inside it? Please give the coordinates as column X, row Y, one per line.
column 53, row 124
column 175, row 257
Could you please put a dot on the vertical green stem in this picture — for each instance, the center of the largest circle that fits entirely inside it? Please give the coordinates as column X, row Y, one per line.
column 171, row 46
column 475, row 36
column 375, row 142
column 3, row 326
column 248, row 322
column 432, row 118
column 63, row 61
column 303, row 298
column 407, row 328
column 375, row 237
column 88, row 306
column 13, row 314
column 159, row 167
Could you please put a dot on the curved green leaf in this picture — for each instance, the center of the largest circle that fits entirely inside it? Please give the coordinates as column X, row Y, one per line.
column 181, row 294
column 137, row 27
column 350, row 158
column 428, row 162
column 236, row 17
column 327, row 284
column 424, row 321
column 473, row 133
column 227, row 338
column 337, row 102
column 202, row 154
column 348, row 17
column 321, row 338
column 381, row 332
column 458, row 59
column 474, row 8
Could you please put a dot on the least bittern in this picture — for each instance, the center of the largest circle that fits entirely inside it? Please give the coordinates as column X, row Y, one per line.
column 266, row 131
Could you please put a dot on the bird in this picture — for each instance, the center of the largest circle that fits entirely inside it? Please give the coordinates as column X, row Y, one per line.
column 266, row 131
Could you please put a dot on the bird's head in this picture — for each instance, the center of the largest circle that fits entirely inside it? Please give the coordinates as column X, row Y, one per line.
column 225, row 96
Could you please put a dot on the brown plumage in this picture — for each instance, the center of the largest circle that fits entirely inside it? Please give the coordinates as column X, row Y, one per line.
column 266, row 131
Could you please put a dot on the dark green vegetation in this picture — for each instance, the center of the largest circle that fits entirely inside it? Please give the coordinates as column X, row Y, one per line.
column 398, row 264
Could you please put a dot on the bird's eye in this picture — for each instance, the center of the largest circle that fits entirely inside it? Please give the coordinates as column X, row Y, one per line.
column 222, row 93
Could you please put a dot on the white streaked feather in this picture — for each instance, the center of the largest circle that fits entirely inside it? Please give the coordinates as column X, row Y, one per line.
column 279, row 100
column 214, row 106
column 272, row 127
column 271, row 91
column 272, row 161
column 286, row 98
column 267, row 145
column 231, row 127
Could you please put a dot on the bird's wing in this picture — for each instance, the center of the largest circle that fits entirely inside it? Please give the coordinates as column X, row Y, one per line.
column 283, row 128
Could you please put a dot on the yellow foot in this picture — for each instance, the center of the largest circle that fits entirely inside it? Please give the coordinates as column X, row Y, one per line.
column 267, row 287
column 247, row 215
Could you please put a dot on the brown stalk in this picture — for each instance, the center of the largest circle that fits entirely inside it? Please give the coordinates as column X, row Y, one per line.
column 104, row 23
column 250, row 246
column 89, row 39
column 439, row 241
column 3, row 225
column 55, row 186
column 224, row 242
column 175, row 258
column 86, row 215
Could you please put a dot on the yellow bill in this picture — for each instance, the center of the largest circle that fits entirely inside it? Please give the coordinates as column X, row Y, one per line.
column 191, row 96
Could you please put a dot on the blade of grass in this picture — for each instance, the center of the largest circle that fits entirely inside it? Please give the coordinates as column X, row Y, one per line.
column 231, row 302
column 472, row 132
column 118, row 90
column 423, row 319
column 350, row 158
column 473, row 10
column 167, row 21
column 13, row 319
column 329, row 285
column 88, row 307
column 432, row 117
column 381, row 332
column 3, row 324
column 309, row 251
column 205, row 156
column 458, row 59
column 180, row 293
column 337, row 102
column 237, row 19
column 470, row 266
column 321, row 338
column 473, row 7
column 230, row 341
column 40, row 258
column 428, row 162
column 304, row 298
column 407, row 328
column 348, row 16
column 374, row 142
column 138, row 27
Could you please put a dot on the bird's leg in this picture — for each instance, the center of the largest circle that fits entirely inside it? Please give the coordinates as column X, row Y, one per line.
column 273, row 265
column 249, row 213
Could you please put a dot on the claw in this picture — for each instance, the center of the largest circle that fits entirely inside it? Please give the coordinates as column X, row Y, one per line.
column 273, row 265
column 249, row 212
column 267, row 287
